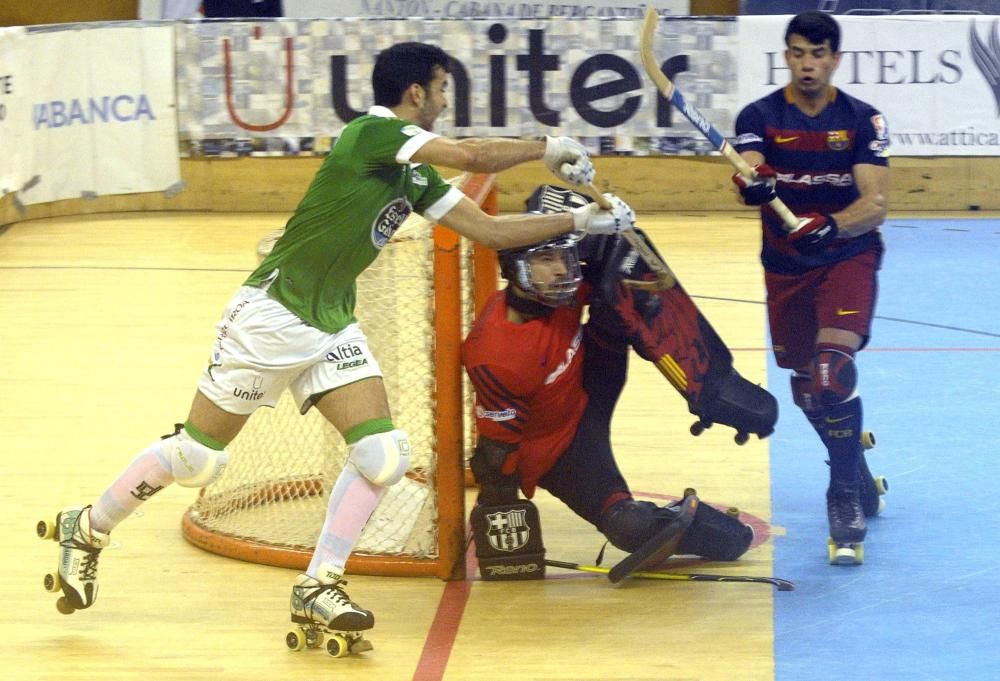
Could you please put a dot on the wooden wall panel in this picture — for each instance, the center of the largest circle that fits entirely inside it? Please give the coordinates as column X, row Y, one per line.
column 660, row 184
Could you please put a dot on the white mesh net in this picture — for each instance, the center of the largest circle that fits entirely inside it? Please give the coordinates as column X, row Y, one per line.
column 283, row 464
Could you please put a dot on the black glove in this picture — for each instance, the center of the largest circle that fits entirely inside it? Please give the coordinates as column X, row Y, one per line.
column 815, row 233
column 486, row 465
column 760, row 189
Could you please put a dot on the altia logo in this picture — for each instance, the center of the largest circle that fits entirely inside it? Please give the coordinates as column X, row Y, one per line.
column 987, row 58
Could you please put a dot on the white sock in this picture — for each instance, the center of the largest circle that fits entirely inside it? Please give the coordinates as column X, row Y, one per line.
column 148, row 473
column 351, row 503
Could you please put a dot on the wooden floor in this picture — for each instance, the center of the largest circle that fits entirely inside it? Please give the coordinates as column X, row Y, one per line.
column 105, row 323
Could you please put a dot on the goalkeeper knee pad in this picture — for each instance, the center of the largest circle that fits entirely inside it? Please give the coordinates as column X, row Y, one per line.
column 382, row 458
column 192, row 463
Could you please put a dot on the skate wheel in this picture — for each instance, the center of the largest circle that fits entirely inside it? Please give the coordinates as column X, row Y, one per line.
column 741, row 438
column 64, row 606
column 689, row 492
column 882, row 485
column 337, row 646
column 295, row 640
column 52, row 582
column 698, row 427
column 845, row 554
column 46, row 529
column 867, row 439
column 733, row 512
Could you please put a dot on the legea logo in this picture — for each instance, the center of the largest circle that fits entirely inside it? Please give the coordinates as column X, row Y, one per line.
column 987, row 58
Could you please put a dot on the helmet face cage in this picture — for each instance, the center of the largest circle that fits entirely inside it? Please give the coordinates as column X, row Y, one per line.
column 560, row 291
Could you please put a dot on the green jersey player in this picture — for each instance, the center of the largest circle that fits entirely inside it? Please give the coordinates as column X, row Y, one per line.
column 297, row 309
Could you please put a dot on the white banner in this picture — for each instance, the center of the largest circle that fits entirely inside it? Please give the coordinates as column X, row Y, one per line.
column 102, row 115
column 13, row 63
column 286, row 86
column 936, row 78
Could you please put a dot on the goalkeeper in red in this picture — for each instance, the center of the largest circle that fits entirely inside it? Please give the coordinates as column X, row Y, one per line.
column 294, row 316
column 825, row 155
column 546, row 386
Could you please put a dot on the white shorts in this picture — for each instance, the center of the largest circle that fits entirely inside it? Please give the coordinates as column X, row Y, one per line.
column 261, row 348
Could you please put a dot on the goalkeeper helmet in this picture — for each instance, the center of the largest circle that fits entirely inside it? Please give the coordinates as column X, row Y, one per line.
column 546, row 272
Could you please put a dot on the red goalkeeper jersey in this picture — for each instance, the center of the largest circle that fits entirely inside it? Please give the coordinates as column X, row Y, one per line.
column 529, row 383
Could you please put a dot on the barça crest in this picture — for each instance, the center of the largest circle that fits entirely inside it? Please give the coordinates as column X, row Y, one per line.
column 508, row 530
column 837, row 139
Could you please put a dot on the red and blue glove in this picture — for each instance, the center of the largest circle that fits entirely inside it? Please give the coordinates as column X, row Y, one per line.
column 815, row 233
column 760, row 189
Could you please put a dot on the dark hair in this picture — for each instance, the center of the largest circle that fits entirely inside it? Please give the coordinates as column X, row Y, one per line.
column 400, row 66
column 816, row 27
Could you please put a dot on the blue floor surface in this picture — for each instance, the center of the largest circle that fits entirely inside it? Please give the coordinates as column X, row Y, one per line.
column 926, row 603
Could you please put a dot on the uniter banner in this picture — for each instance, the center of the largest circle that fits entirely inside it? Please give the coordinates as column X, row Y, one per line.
column 935, row 78
column 13, row 151
column 288, row 86
column 101, row 114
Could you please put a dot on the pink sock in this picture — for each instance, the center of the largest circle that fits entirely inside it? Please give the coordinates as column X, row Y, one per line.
column 352, row 502
column 145, row 476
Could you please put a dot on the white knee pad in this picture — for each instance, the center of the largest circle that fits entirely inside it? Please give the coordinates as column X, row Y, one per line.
column 192, row 463
column 382, row 458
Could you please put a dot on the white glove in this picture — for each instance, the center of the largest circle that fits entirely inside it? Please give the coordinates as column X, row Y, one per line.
column 568, row 160
column 590, row 219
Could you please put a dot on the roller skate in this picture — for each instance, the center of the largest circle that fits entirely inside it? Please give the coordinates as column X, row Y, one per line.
column 320, row 608
column 872, row 487
column 847, row 524
column 79, row 548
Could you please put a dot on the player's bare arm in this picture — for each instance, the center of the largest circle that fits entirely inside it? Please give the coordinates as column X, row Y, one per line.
column 871, row 208
column 505, row 231
column 511, row 231
column 479, row 154
column 754, row 158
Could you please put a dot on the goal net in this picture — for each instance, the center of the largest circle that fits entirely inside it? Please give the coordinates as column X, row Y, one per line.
column 414, row 304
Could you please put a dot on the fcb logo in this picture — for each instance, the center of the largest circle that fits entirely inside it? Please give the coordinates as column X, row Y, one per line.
column 508, row 530
column 837, row 139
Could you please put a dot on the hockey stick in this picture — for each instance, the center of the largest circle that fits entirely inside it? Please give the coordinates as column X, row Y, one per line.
column 699, row 121
column 781, row 584
column 664, row 276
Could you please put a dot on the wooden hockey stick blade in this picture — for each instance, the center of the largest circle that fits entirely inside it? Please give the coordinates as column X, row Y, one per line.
column 780, row 584
column 668, row 90
column 664, row 276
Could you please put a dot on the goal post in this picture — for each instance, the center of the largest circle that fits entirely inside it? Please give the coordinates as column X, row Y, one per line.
column 415, row 304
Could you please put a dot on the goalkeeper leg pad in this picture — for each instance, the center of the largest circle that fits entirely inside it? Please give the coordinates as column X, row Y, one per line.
column 629, row 524
column 716, row 535
column 663, row 543
column 666, row 328
column 508, row 541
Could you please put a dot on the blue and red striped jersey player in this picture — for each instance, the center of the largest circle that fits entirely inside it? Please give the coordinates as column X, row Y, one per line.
column 825, row 155
column 546, row 385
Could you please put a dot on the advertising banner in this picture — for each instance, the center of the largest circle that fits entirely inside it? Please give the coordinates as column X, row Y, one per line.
column 284, row 86
column 101, row 112
column 13, row 62
column 402, row 9
column 935, row 78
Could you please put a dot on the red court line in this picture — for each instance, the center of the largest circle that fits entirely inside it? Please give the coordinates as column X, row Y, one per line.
column 441, row 636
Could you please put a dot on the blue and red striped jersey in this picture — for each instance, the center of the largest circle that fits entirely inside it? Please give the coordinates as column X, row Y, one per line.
column 814, row 160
